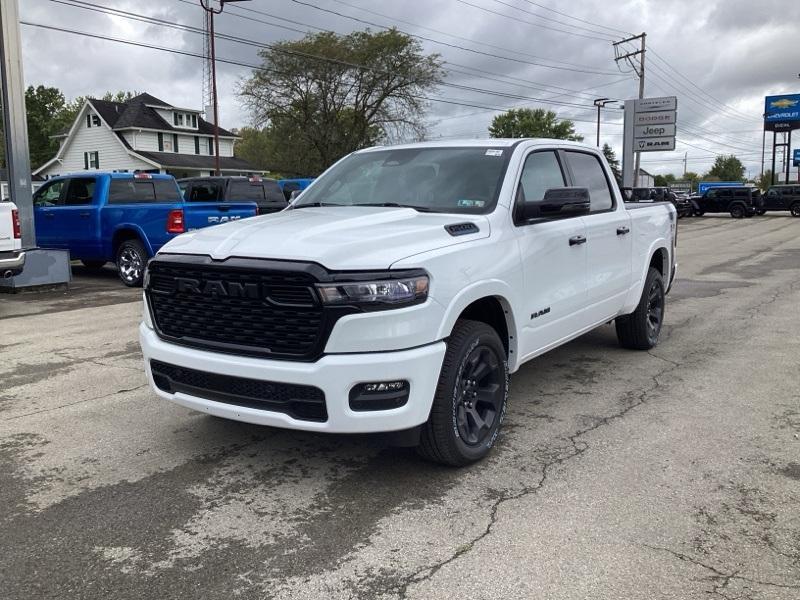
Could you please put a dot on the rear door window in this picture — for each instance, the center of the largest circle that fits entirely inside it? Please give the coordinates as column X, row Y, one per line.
column 80, row 191
column 587, row 172
column 205, row 191
column 246, row 190
column 273, row 191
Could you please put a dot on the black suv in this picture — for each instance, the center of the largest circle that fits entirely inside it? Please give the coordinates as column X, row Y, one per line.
column 781, row 197
column 740, row 202
column 659, row 194
column 266, row 193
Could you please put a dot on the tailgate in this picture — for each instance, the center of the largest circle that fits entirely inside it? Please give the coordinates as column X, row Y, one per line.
column 204, row 214
column 7, row 240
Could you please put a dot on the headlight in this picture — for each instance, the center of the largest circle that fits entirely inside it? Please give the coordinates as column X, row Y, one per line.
column 409, row 290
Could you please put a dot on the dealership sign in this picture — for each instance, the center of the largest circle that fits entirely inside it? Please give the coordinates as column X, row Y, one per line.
column 650, row 126
column 782, row 113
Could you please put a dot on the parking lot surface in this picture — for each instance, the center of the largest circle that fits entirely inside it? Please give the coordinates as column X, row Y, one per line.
column 619, row 474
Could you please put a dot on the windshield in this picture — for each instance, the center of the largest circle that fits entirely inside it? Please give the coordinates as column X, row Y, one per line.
column 454, row 180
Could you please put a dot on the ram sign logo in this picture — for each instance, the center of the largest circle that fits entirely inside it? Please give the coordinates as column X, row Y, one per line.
column 223, row 219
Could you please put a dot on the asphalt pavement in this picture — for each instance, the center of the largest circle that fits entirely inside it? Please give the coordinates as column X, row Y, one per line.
column 619, row 474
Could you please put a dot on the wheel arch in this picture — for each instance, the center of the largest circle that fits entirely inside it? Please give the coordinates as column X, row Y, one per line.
column 128, row 232
column 487, row 302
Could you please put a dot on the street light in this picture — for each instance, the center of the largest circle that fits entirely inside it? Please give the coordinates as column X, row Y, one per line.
column 600, row 103
column 214, row 7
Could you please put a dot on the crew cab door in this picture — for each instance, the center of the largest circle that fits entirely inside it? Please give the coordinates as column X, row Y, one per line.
column 553, row 255
column 608, row 237
column 46, row 217
column 79, row 218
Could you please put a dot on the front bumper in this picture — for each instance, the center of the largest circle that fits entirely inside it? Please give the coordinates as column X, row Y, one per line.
column 13, row 262
column 334, row 374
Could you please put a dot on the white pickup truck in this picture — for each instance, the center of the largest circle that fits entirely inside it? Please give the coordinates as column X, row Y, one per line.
column 399, row 291
column 12, row 258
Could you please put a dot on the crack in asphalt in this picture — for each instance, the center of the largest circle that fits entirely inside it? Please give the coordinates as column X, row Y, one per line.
column 719, row 575
column 60, row 406
column 579, row 447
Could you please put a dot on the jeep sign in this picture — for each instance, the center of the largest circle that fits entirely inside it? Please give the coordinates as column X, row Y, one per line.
column 650, row 126
column 649, row 131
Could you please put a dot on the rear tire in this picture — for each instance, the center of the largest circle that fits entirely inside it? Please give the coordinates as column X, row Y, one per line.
column 94, row 265
column 471, row 397
column 640, row 329
column 737, row 211
column 131, row 261
column 699, row 213
column 795, row 209
column 761, row 212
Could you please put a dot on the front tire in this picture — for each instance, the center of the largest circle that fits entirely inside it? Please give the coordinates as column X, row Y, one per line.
column 737, row 211
column 640, row 329
column 795, row 209
column 131, row 261
column 471, row 397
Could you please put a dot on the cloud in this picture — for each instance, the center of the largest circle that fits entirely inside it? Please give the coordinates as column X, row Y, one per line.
column 728, row 55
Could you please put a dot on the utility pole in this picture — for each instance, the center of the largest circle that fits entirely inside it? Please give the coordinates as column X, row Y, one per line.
column 600, row 103
column 685, row 160
column 215, row 7
column 628, row 57
column 15, row 121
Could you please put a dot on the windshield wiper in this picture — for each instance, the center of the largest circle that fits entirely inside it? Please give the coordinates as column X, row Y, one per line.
column 314, row 205
column 397, row 205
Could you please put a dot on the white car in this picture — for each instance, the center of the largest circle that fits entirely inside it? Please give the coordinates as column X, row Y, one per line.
column 402, row 288
column 12, row 258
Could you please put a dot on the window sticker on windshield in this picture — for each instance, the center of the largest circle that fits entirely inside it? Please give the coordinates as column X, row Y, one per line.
column 494, row 152
column 463, row 203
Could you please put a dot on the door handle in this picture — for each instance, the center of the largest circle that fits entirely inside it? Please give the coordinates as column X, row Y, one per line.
column 623, row 230
column 49, row 215
column 85, row 215
column 577, row 240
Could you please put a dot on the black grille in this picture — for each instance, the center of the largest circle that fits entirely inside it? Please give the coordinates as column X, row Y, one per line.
column 248, row 310
column 302, row 402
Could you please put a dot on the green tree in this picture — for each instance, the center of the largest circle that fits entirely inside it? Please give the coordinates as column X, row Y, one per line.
column 532, row 122
column 255, row 147
column 613, row 162
column 764, row 181
column 727, row 168
column 367, row 88
column 664, row 180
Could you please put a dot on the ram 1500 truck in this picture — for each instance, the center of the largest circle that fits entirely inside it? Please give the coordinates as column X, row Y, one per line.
column 401, row 289
column 121, row 217
column 12, row 258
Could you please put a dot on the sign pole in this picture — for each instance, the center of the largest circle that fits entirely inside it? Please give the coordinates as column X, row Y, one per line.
column 627, row 146
column 788, row 152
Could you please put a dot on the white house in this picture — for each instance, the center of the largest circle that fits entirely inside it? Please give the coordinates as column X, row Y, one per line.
column 143, row 134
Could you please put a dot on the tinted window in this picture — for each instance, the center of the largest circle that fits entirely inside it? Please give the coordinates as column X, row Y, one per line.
column 49, row 194
column 273, row 191
column 245, row 190
column 80, row 191
column 540, row 173
column 139, row 191
column 454, row 180
column 205, row 191
column 587, row 172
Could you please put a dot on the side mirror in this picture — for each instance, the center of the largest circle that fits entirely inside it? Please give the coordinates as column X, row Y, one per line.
column 294, row 195
column 558, row 203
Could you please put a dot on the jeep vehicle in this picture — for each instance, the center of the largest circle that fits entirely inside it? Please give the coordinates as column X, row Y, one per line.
column 781, row 197
column 403, row 287
column 266, row 193
column 740, row 202
column 683, row 206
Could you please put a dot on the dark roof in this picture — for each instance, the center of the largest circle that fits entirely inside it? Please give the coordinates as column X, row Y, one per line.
column 197, row 161
column 136, row 113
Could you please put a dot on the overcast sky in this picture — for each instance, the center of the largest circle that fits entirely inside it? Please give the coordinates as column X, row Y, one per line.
column 720, row 57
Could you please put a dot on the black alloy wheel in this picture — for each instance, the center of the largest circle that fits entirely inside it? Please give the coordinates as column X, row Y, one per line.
column 737, row 211
column 655, row 310
column 479, row 395
column 795, row 209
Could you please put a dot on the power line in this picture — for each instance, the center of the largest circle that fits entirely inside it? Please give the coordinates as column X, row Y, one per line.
column 449, row 45
column 553, row 10
column 538, row 16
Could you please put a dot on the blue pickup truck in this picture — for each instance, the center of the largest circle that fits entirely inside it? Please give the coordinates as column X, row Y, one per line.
column 121, row 217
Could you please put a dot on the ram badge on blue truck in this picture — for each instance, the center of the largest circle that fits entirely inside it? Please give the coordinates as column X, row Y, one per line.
column 122, row 218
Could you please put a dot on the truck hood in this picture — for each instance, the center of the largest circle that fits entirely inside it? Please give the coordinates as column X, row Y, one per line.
column 339, row 238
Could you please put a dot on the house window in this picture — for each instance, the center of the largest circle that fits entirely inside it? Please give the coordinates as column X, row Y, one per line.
column 197, row 144
column 177, row 119
column 194, row 123
column 91, row 160
column 160, row 142
column 211, row 146
column 175, row 141
column 92, row 120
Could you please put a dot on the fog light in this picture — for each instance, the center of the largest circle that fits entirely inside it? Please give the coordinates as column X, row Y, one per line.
column 379, row 395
